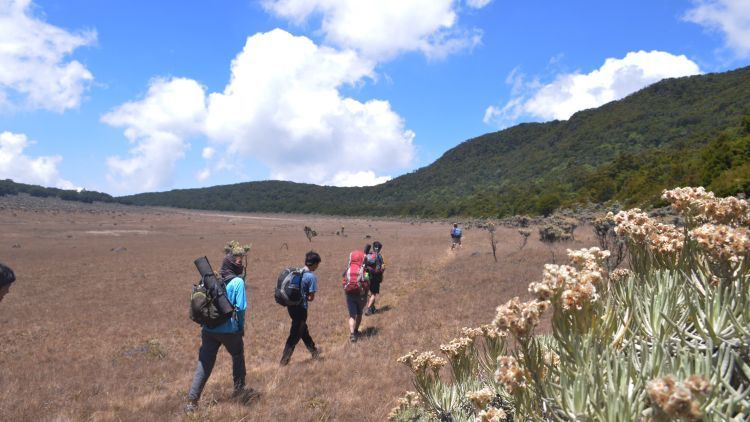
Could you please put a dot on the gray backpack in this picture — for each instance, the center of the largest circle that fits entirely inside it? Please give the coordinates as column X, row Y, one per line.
column 289, row 287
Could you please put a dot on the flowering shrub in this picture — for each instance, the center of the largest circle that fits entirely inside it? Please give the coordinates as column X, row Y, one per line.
column 667, row 339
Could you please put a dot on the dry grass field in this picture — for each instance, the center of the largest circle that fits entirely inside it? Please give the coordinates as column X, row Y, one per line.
column 96, row 326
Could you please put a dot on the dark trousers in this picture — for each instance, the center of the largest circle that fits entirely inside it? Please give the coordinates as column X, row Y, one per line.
column 210, row 344
column 299, row 330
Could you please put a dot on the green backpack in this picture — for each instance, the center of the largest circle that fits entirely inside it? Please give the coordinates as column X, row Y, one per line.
column 203, row 309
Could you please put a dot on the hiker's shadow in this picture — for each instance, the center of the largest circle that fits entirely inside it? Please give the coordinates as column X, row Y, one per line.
column 384, row 309
column 369, row 332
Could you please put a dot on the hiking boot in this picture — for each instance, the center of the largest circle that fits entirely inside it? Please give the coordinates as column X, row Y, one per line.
column 286, row 356
column 245, row 395
column 315, row 352
column 353, row 337
column 373, row 310
column 369, row 311
column 191, row 406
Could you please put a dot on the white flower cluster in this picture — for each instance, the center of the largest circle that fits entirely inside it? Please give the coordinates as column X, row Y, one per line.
column 422, row 361
column 410, row 399
column 510, row 374
column 481, row 397
column 678, row 399
column 577, row 283
column 642, row 230
column 520, row 318
column 457, row 347
column 722, row 242
column 703, row 206
column 492, row 414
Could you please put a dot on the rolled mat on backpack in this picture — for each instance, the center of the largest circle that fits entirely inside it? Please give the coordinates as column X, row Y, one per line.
column 213, row 285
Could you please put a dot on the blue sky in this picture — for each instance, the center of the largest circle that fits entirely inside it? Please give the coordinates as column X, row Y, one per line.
column 133, row 96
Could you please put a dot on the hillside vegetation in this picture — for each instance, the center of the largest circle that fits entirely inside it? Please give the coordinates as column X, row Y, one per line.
column 9, row 187
column 686, row 131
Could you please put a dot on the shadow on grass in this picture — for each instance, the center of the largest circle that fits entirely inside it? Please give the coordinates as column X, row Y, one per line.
column 369, row 332
column 384, row 309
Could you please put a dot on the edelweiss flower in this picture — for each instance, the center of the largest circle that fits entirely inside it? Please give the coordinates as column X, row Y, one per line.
column 721, row 242
column 510, row 374
column 677, row 399
column 457, row 347
column 520, row 318
column 480, row 398
column 492, row 414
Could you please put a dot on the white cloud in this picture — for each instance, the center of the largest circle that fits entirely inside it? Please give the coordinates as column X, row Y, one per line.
column 16, row 165
column 208, row 153
column 382, row 29
column 731, row 17
column 573, row 92
column 283, row 107
column 156, row 126
column 477, row 4
column 34, row 70
column 203, row 174
column 360, row 178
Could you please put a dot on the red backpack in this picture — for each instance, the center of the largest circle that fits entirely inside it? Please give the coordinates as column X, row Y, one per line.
column 354, row 281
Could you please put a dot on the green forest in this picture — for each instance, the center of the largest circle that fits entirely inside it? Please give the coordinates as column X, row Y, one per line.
column 677, row 132
column 9, row 187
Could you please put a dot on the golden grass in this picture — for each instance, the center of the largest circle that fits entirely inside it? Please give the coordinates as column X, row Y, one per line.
column 94, row 334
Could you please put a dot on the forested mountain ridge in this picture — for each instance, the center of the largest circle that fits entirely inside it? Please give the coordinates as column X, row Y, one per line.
column 683, row 131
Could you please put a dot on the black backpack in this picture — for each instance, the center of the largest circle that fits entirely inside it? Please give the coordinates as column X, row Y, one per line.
column 289, row 287
column 209, row 305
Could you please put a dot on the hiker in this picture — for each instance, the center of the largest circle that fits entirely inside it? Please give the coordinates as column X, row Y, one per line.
column 375, row 268
column 7, row 277
column 455, row 236
column 356, row 286
column 229, row 333
column 298, row 313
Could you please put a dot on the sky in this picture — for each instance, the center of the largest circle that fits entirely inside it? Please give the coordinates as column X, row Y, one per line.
column 137, row 96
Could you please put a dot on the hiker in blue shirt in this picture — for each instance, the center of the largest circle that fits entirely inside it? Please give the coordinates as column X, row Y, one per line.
column 229, row 334
column 455, row 236
column 298, row 313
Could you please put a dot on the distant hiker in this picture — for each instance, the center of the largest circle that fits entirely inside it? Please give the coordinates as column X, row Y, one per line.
column 455, row 236
column 308, row 285
column 7, row 277
column 229, row 333
column 375, row 268
column 356, row 286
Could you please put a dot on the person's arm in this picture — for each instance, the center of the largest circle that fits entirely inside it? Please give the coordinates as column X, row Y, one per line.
column 312, row 287
column 240, row 305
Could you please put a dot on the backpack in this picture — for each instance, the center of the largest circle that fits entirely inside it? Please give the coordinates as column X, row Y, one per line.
column 354, row 281
column 373, row 263
column 209, row 304
column 456, row 232
column 289, row 287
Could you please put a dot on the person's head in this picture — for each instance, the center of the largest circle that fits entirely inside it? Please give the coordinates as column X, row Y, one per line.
column 7, row 276
column 367, row 248
column 377, row 246
column 232, row 265
column 312, row 260
column 455, row 224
